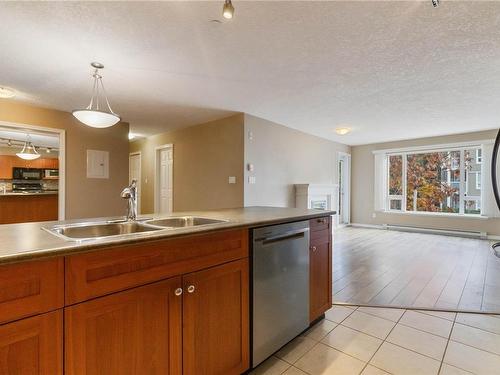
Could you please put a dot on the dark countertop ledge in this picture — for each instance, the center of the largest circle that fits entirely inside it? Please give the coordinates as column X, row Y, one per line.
column 27, row 241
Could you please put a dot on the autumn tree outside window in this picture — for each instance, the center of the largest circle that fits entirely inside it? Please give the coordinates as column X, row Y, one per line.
column 437, row 181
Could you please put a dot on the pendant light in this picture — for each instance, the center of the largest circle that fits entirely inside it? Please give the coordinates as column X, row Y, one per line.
column 228, row 9
column 29, row 151
column 94, row 115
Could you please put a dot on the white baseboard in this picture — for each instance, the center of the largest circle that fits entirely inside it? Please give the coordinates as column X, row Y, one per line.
column 446, row 232
column 372, row 226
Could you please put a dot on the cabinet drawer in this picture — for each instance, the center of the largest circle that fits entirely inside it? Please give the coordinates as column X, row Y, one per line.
column 31, row 288
column 320, row 223
column 109, row 270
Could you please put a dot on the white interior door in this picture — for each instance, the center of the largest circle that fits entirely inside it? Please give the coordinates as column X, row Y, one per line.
column 165, row 182
column 134, row 171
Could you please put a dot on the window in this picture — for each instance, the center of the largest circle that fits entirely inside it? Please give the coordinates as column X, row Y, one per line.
column 438, row 181
column 479, row 156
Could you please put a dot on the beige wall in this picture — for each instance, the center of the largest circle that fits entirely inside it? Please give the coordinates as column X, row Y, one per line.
column 362, row 194
column 205, row 156
column 84, row 197
column 283, row 157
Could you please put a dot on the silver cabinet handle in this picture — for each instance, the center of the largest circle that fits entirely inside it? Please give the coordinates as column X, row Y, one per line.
column 313, row 248
column 191, row 289
column 178, row 291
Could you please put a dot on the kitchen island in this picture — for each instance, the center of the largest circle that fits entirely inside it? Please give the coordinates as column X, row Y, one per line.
column 168, row 301
column 21, row 207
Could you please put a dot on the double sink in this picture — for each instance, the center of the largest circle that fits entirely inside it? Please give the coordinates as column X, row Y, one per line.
column 106, row 229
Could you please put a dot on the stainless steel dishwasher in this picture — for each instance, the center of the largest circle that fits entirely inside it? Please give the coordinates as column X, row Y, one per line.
column 280, row 285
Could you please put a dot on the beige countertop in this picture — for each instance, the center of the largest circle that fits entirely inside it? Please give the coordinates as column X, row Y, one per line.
column 19, row 242
column 15, row 193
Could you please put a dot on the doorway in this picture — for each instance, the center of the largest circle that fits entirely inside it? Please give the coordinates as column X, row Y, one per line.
column 164, row 164
column 134, row 172
column 344, row 183
column 43, row 186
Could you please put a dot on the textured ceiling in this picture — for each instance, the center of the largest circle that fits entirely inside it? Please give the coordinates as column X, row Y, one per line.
column 390, row 70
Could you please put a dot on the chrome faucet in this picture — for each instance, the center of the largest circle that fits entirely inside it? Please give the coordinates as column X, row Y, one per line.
column 130, row 193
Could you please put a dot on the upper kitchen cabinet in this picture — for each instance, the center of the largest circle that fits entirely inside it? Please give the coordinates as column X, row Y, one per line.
column 6, row 165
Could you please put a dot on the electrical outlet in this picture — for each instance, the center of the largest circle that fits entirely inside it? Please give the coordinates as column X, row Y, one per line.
column 251, row 179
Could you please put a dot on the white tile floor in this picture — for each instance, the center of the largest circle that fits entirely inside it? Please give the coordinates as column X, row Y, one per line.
column 376, row 341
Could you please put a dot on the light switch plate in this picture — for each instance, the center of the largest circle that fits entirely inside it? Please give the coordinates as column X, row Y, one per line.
column 251, row 179
column 232, row 180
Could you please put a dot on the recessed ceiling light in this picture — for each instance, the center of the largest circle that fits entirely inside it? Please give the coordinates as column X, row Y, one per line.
column 342, row 130
column 7, row 92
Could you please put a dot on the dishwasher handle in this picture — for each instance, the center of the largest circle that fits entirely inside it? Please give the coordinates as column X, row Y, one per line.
column 299, row 233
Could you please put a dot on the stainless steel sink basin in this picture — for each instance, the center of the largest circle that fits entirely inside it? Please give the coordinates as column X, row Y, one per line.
column 184, row 221
column 87, row 231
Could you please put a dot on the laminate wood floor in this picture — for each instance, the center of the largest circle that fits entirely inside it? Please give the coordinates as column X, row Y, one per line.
column 413, row 270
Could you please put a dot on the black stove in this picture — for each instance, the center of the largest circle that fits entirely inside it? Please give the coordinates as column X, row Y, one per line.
column 28, row 187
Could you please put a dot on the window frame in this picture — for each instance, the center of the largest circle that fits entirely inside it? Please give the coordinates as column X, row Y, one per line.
column 462, row 183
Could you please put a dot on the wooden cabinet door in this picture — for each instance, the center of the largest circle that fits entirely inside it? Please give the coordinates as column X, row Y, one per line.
column 5, row 167
column 320, row 268
column 215, row 320
column 32, row 346
column 133, row 332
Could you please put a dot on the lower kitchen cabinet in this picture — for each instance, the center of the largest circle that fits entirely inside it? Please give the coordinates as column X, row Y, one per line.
column 320, row 267
column 132, row 332
column 32, row 346
column 197, row 323
column 216, row 320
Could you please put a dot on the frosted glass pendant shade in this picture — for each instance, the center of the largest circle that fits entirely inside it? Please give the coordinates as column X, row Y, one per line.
column 28, row 152
column 96, row 119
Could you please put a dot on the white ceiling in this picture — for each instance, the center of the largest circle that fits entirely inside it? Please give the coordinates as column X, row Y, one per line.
column 390, row 70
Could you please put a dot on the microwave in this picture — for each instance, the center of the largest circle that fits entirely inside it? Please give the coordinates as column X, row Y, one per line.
column 27, row 173
column 51, row 173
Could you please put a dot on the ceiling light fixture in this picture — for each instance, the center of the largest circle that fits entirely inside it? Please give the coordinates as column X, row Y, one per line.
column 93, row 115
column 6, row 92
column 435, row 3
column 48, row 150
column 228, row 10
column 29, row 151
column 342, row 130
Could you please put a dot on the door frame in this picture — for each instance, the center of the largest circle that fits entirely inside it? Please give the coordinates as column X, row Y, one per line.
column 346, row 204
column 61, row 133
column 137, row 153
column 156, row 175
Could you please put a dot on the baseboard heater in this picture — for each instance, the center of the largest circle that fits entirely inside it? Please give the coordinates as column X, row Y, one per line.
column 445, row 232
